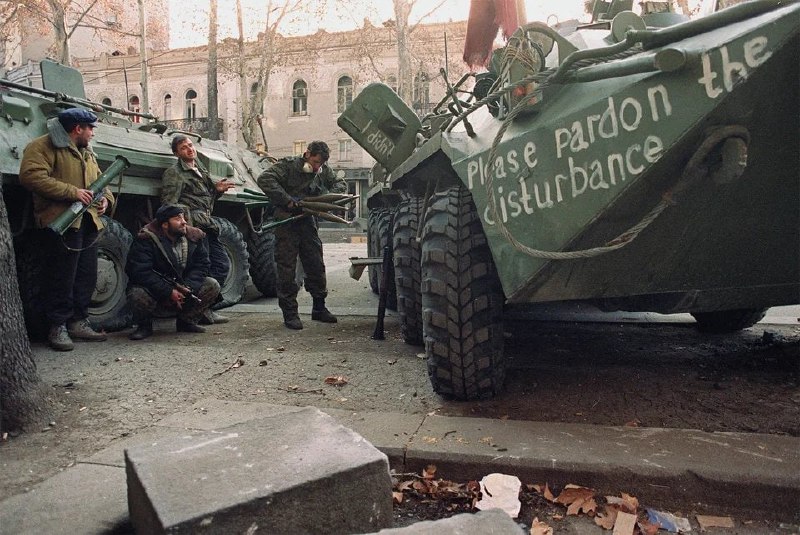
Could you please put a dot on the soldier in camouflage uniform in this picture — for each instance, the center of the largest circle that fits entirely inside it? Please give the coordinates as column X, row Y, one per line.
column 188, row 185
column 285, row 183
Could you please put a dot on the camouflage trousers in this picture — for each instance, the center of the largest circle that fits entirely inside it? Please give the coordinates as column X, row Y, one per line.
column 299, row 239
column 144, row 305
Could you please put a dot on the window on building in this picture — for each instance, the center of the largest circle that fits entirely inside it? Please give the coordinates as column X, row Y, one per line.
column 299, row 98
column 344, row 93
column 134, row 106
column 106, row 101
column 345, row 150
column 391, row 81
column 299, row 148
column 191, row 104
column 421, row 92
column 167, row 107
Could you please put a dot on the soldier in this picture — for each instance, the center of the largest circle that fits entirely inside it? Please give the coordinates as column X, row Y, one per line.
column 189, row 185
column 288, row 181
column 168, row 267
column 58, row 168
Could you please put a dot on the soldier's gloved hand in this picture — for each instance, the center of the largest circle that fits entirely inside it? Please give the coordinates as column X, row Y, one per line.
column 294, row 208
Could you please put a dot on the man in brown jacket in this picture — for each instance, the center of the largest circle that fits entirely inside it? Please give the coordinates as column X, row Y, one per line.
column 58, row 169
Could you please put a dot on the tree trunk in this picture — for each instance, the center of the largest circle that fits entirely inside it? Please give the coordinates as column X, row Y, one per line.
column 213, row 89
column 244, row 101
column 61, row 40
column 402, row 9
column 22, row 400
column 145, row 104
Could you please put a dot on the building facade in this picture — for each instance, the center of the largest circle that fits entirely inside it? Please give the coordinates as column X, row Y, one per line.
column 314, row 79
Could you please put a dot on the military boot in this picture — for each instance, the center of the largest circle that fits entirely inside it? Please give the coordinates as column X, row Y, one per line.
column 292, row 321
column 59, row 339
column 210, row 317
column 82, row 330
column 183, row 326
column 144, row 329
column 320, row 313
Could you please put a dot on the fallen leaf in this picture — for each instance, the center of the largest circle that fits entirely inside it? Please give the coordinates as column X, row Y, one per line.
column 405, row 485
column 648, row 528
column 625, row 524
column 607, row 519
column 336, row 380
column 397, row 497
column 430, row 440
column 632, row 423
column 572, row 493
column 714, row 522
column 540, row 528
column 429, row 471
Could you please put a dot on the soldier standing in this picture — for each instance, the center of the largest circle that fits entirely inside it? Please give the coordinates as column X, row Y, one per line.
column 58, row 168
column 188, row 185
column 286, row 183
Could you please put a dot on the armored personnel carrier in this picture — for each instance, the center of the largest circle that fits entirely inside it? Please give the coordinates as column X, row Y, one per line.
column 642, row 162
column 145, row 144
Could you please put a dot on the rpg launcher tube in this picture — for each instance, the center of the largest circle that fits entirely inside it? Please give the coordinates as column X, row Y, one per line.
column 77, row 209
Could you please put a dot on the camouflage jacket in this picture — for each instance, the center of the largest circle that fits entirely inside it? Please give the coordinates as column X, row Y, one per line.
column 194, row 191
column 286, row 180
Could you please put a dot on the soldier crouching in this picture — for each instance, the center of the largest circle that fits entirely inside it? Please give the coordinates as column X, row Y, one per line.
column 168, row 266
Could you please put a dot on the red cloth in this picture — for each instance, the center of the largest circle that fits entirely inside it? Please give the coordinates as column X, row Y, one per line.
column 485, row 18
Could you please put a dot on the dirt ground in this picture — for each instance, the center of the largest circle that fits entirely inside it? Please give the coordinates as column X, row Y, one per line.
column 654, row 375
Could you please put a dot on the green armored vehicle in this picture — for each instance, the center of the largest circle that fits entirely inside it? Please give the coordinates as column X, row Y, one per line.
column 146, row 148
column 640, row 163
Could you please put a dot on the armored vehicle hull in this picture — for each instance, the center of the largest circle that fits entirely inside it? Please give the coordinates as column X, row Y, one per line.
column 656, row 170
column 146, row 147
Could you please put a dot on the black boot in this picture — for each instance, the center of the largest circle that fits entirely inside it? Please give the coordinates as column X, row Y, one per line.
column 320, row 313
column 144, row 329
column 183, row 326
column 292, row 321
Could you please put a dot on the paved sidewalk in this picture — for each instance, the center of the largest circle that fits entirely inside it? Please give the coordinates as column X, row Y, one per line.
column 672, row 468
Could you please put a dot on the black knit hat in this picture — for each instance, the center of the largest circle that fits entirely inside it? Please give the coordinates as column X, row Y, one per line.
column 167, row 212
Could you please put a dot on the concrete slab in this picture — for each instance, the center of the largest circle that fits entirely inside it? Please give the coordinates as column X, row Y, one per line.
column 671, row 466
column 213, row 413
column 492, row 522
column 82, row 499
column 295, row 472
column 389, row 432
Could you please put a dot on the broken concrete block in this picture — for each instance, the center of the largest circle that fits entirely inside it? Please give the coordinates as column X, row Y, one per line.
column 489, row 522
column 298, row 472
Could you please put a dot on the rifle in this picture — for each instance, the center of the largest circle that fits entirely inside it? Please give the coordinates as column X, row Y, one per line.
column 76, row 209
column 183, row 289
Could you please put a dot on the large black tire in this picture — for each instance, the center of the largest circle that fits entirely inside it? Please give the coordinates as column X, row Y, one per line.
column 462, row 301
column 728, row 321
column 407, row 269
column 372, row 247
column 384, row 238
column 109, row 307
column 263, row 273
column 236, row 281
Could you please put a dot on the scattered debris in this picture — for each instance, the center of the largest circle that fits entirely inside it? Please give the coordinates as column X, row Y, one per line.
column 500, row 491
column 296, row 390
column 625, row 524
column 714, row 522
column 82, row 409
column 669, row 522
column 263, row 363
column 336, row 380
column 391, row 362
column 236, row 364
column 540, row 528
